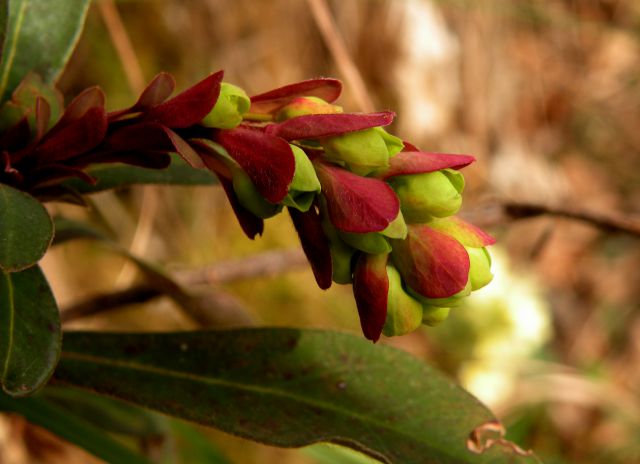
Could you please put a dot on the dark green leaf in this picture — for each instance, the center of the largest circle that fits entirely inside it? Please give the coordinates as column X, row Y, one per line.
column 26, row 229
column 110, row 176
column 108, row 414
column 193, row 446
column 41, row 35
column 30, row 334
column 288, row 387
column 70, row 427
column 4, row 13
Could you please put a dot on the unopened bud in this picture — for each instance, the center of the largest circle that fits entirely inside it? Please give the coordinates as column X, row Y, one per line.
column 250, row 198
column 404, row 313
column 428, row 195
column 362, row 152
column 305, row 184
column 227, row 113
column 480, row 267
column 434, row 315
column 302, row 106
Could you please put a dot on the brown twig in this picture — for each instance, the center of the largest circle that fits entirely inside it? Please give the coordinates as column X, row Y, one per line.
column 122, row 44
column 262, row 265
column 335, row 43
column 608, row 221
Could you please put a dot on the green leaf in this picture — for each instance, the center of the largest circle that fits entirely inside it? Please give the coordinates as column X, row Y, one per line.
column 4, row 12
column 71, row 427
column 26, row 229
column 30, row 333
column 110, row 176
column 41, row 35
column 332, row 454
column 290, row 388
column 194, row 446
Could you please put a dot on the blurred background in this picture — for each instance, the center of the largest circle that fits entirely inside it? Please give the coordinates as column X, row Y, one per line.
column 546, row 95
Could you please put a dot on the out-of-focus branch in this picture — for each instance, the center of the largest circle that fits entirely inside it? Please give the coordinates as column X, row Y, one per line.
column 212, row 302
column 122, row 44
column 335, row 43
column 608, row 221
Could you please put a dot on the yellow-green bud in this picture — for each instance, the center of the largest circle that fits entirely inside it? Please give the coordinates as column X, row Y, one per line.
column 303, row 106
column 227, row 113
column 434, row 315
column 250, row 198
column 305, row 184
column 428, row 195
column 479, row 268
column 404, row 313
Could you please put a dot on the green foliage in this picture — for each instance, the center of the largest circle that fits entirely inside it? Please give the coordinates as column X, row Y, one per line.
column 26, row 229
column 40, row 37
column 111, row 176
column 30, row 334
column 71, row 427
column 287, row 388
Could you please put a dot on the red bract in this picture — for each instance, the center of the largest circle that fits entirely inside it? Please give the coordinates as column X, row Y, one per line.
column 355, row 203
column 432, row 263
column 315, row 126
column 271, row 101
column 370, row 289
column 267, row 160
column 314, row 243
column 187, row 108
column 465, row 233
column 158, row 90
column 81, row 128
column 417, row 162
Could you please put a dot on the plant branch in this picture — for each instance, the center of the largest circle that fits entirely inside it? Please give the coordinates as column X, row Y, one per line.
column 335, row 43
column 261, row 265
column 608, row 221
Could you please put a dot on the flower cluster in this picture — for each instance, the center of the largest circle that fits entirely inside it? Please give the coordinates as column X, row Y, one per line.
column 370, row 209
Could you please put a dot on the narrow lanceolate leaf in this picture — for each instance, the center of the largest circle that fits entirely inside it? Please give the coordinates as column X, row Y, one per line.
column 315, row 126
column 25, row 229
column 117, row 176
column 4, row 13
column 41, row 35
column 271, row 101
column 29, row 331
column 289, row 387
column 72, row 428
column 417, row 162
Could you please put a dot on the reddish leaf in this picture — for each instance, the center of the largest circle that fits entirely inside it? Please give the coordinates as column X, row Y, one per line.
column 267, row 160
column 189, row 107
column 314, row 243
column 184, row 149
column 370, row 289
column 357, row 204
column 417, row 162
column 144, row 159
column 158, row 90
column 315, row 126
column 271, row 101
column 465, row 233
column 43, row 114
column 432, row 263
column 140, row 136
column 76, row 137
column 88, row 99
column 53, row 174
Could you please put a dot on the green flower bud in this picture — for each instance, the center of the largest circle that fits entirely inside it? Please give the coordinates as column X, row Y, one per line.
column 434, row 315
column 341, row 253
column 373, row 242
column 480, row 267
column 453, row 300
column 305, row 184
column 428, row 195
column 404, row 313
column 394, row 144
column 302, row 106
column 376, row 243
column 362, row 152
column 227, row 113
column 250, row 198
column 397, row 228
